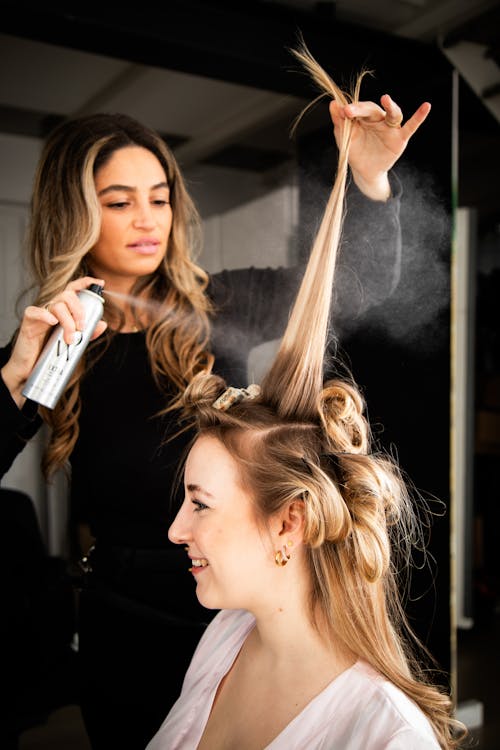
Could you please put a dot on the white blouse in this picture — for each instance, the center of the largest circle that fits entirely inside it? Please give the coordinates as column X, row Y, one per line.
column 358, row 710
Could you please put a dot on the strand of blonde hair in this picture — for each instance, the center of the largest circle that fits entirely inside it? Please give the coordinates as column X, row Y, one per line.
column 303, row 374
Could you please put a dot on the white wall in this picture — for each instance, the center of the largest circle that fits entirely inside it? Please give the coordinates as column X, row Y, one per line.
column 18, row 157
column 260, row 233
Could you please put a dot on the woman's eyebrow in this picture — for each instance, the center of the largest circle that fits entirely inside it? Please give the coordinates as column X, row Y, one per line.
column 197, row 488
column 129, row 188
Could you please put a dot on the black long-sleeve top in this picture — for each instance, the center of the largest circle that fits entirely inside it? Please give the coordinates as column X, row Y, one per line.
column 123, row 465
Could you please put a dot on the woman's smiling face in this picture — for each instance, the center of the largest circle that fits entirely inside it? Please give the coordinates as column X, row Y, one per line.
column 231, row 552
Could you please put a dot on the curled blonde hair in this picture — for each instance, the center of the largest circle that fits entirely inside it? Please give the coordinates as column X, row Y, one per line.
column 65, row 225
column 303, row 438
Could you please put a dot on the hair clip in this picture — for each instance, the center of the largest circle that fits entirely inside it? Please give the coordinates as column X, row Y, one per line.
column 235, row 395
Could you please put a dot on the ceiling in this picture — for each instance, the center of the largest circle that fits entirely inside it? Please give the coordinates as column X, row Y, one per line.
column 215, row 77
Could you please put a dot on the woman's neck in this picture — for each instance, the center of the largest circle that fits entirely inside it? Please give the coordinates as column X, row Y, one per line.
column 289, row 641
column 285, row 630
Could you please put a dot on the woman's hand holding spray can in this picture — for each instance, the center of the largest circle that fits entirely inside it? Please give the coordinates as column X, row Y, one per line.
column 59, row 358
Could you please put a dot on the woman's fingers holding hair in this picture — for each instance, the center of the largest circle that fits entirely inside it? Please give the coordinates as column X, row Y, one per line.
column 336, row 112
column 367, row 111
column 389, row 114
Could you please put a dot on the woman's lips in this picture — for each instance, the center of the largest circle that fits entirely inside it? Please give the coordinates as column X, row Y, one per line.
column 198, row 565
column 144, row 247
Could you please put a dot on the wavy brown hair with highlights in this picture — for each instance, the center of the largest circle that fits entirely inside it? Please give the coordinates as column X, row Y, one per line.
column 306, row 439
column 65, row 225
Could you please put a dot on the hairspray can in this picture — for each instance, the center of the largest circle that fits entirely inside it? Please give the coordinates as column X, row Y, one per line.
column 58, row 359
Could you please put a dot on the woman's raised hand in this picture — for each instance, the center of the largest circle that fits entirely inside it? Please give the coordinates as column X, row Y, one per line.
column 66, row 309
column 379, row 138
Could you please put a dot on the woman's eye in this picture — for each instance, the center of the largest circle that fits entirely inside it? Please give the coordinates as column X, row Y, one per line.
column 199, row 505
column 161, row 203
column 119, row 204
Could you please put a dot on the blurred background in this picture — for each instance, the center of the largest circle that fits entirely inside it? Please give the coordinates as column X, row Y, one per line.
column 217, row 80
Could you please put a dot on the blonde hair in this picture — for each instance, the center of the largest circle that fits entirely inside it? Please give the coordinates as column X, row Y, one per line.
column 303, row 438
column 65, row 225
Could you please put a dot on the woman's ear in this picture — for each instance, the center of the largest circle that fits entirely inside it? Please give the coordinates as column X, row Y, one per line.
column 292, row 520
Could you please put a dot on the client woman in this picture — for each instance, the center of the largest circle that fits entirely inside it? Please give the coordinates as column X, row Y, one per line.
column 291, row 520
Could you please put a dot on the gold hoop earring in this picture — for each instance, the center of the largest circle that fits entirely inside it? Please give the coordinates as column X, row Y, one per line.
column 282, row 556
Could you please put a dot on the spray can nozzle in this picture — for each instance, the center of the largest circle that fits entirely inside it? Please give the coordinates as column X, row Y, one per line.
column 96, row 288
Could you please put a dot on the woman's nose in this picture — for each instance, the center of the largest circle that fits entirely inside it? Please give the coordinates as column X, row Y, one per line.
column 178, row 532
column 144, row 218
